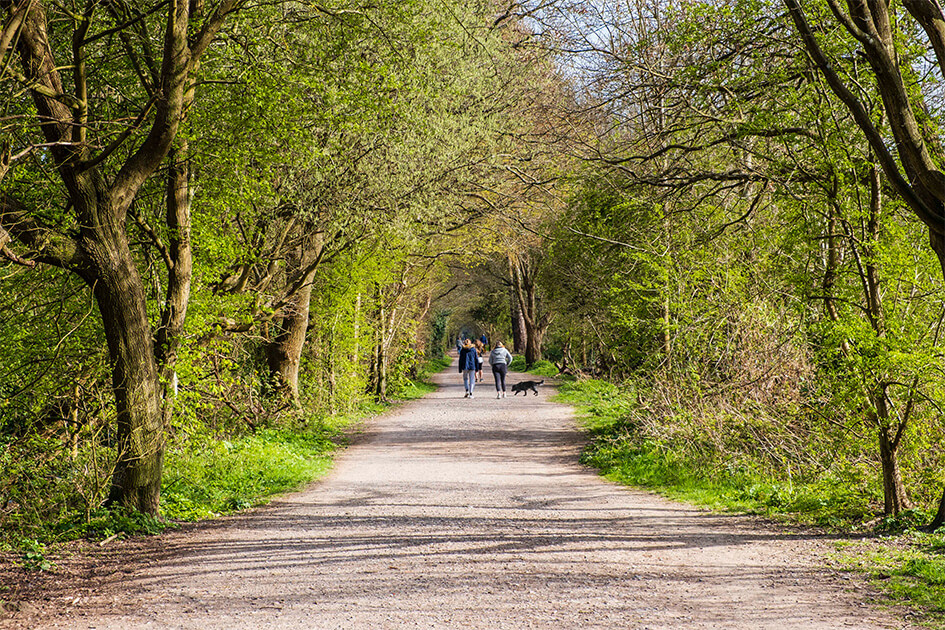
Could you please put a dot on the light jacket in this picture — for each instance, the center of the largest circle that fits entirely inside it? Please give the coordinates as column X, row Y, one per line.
column 500, row 355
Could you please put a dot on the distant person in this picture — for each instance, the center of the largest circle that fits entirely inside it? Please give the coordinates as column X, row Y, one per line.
column 459, row 343
column 468, row 362
column 480, row 350
column 485, row 341
column 500, row 359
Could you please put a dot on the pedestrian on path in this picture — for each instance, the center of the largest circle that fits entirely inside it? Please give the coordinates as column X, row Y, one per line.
column 500, row 359
column 468, row 362
column 480, row 350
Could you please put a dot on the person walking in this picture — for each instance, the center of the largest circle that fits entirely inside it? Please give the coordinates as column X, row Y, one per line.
column 480, row 350
column 468, row 362
column 500, row 359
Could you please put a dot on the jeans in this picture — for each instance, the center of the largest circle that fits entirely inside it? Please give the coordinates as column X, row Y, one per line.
column 499, row 370
column 469, row 380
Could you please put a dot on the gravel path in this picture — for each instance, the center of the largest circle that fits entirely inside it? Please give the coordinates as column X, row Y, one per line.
column 455, row 513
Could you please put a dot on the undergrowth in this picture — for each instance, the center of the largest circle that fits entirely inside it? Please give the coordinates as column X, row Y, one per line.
column 207, row 475
column 630, row 448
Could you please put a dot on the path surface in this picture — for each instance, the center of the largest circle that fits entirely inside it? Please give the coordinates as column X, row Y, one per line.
column 455, row 513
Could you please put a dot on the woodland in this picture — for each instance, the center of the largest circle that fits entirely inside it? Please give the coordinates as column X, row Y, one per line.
column 222, row 220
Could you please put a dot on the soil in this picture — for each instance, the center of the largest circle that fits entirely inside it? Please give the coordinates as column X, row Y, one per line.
column 456, row 513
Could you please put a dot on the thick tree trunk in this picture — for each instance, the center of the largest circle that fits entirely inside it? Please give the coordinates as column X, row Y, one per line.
column 120, row 294
column 534, row 338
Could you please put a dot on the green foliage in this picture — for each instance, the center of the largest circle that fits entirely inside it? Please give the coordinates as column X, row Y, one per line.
column 908, row 568
column 204, row 478
column 439, row 342
column 33, row 556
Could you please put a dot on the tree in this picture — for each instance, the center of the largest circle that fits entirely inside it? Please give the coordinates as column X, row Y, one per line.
column 710, row 115
column 912, row 169
column 100, row 177
column 898, row 77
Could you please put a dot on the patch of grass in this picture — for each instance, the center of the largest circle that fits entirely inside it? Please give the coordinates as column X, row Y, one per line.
column 907, row 564
column 540, row 368
column 909, row 568
column 217, row 477
column 435, row 365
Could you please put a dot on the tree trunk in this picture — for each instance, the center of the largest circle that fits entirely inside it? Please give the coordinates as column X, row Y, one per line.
column 180, row 273
column 284, row 352
column 535, row 323
column 515, row 308
column 518, row 327
column 380, row 353
column 895, row 499
column 120, row 294
column 939, row 519
column 534, row 338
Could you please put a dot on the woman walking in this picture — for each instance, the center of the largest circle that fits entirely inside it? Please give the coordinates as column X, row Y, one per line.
column 480, row 350
column 468, row 362
column 500, row 359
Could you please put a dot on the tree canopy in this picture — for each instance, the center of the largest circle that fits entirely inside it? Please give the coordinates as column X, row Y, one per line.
column 219, row 218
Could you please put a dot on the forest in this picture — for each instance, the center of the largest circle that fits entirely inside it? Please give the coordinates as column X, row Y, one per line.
column 226, row 226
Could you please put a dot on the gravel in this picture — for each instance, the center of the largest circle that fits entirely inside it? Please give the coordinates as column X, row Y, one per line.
column 463, row 513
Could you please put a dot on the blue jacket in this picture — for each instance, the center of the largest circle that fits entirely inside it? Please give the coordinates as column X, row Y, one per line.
column 467, row 359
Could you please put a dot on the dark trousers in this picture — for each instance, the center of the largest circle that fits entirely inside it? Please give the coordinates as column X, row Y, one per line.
column 499, row 370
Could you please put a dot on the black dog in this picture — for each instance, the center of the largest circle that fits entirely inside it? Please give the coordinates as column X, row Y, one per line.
column 524, row 386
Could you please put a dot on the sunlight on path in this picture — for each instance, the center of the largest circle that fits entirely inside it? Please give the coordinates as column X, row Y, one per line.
column 456, row 513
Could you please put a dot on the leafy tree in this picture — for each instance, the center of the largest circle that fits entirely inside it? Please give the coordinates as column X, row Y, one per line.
column 101, row 164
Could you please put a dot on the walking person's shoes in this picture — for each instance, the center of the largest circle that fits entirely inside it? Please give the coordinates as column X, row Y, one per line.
column 503, row 394
column 498, row 395
column 466, row 395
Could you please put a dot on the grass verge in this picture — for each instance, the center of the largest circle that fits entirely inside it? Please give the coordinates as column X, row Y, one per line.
column 904, row 563
column 540, row 368
column 206, row 476
column 220, row 477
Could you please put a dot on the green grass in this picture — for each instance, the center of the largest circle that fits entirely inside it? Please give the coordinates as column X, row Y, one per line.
column 909, row 568
column 540, row 368
column 906, row 564
column 218, row 477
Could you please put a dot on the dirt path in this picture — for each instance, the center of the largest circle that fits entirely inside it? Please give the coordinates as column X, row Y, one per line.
column 456, row 513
